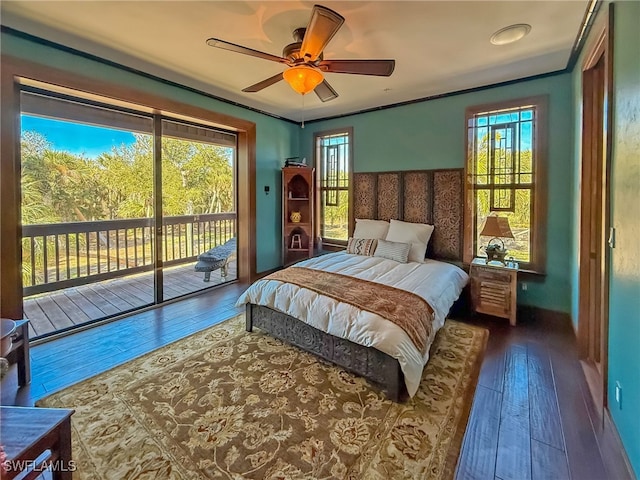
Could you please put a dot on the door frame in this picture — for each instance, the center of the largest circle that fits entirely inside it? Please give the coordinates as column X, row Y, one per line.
column 597, row 379
column 16, row 71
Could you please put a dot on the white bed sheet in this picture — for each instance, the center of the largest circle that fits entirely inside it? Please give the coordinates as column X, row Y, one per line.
column 439, row 283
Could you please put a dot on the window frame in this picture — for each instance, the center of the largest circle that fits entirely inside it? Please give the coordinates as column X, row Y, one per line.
column 317, row 161
column 539, row 190
column 17, row 72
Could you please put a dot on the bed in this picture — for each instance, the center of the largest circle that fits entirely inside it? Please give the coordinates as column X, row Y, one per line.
column 357, row 339
column 438, row 283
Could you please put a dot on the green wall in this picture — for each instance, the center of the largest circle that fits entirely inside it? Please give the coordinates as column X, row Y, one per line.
column 431, row 135
column 624, row 276
column 624, row 293
column 275, row 139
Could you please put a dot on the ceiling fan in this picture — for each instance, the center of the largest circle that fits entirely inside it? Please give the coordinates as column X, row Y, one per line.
column 305, row 60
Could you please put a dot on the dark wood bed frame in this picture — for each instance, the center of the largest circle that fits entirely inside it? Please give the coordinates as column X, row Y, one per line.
column 420, row 196
column 367, row 362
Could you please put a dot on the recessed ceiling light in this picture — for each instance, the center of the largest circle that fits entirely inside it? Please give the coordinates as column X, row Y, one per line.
column 510, row 34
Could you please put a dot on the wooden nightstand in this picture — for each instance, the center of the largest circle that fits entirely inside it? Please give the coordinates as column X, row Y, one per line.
column 494, row 289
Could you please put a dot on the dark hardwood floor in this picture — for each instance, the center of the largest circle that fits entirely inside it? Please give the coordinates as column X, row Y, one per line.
column 530, row 418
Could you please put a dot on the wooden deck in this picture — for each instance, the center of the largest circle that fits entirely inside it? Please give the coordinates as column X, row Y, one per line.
column 64, row 309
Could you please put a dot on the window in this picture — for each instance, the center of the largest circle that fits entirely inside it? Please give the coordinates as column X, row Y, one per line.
column 334, row 167
column 504, row 171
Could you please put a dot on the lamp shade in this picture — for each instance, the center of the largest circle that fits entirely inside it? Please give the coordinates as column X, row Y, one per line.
column 495, row 226
column 302, row 78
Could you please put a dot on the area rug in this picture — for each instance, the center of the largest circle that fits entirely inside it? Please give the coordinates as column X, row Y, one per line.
column 228, row 404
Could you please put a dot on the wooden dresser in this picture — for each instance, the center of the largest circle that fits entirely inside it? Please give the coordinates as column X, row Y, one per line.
column 36, row 440
column 494, row 289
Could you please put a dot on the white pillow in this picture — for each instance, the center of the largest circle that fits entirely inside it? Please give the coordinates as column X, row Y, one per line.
column 417, row 234
column 371, row 229
column 393, row 250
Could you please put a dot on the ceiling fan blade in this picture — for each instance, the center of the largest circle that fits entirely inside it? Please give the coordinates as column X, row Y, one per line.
column 323, row 25
column 216, row 42
column 381, row 68
column 263, row 84
column 325, row 92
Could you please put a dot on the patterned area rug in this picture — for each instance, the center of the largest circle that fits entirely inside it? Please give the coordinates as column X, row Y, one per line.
column 229, row 404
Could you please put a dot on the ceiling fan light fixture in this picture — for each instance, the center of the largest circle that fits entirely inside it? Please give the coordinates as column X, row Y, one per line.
column 510, row 34
column 302, row 78
column 305, row 58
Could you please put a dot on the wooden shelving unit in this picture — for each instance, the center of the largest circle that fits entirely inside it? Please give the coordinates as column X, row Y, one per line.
column 297, row 196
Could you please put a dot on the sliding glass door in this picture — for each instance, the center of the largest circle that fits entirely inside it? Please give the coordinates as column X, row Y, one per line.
column 198, row 207
column 117, row 207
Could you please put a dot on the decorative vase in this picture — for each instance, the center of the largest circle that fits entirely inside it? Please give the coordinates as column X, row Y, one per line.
column 296, row 217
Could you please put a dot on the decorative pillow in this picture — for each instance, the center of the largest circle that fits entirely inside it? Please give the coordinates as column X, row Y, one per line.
column 417, row 234
column 370, row 228
column 393, row 250
column 362, row 246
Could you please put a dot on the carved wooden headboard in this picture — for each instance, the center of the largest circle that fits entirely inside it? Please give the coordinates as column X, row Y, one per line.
column 421, row 196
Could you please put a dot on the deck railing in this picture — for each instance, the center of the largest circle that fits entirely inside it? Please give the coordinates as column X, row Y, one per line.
column 62, row 255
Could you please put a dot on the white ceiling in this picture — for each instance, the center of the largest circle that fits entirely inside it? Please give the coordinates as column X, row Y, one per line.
column 439, row 46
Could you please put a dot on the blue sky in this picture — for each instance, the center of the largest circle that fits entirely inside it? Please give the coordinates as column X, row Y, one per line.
column 525, row 117
column 77, row 138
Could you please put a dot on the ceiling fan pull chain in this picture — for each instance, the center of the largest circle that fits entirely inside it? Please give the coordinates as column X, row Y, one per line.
column 302, row 110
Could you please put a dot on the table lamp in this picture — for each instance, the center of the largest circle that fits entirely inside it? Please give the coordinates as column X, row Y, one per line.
column 497, row 228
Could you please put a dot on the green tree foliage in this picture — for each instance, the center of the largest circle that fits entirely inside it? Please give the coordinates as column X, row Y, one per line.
column 126, row 180
column 336, row 217
column 198, row 178
column 61, row 187
column 34, row 179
